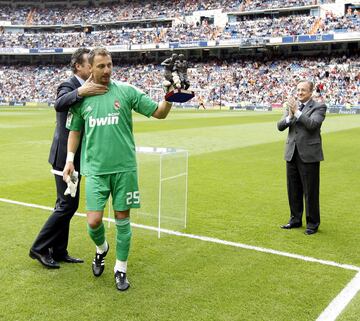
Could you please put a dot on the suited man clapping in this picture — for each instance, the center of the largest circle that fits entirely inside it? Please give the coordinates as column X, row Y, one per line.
column 303, row 153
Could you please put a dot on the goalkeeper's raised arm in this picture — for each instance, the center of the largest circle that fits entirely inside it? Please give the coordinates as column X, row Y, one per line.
column 163, row 109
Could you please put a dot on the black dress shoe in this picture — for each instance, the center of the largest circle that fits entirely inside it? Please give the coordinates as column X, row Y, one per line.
column 289, row 226
column 45, row 259
column 69, row 259
column 309, row 231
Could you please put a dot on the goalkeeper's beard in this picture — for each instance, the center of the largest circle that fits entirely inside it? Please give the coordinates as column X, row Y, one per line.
column 105, row 80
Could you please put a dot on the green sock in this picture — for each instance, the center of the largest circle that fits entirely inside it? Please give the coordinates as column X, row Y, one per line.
column 123, row 238
column 97, row 234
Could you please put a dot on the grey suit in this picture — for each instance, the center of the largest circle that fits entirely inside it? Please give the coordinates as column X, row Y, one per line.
column 303, row 153
column 54, row 234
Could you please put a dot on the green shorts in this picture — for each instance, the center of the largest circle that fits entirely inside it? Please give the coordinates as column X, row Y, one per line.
column 123, row 187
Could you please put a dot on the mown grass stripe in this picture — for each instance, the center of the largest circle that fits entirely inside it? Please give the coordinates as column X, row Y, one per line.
column 208, row 239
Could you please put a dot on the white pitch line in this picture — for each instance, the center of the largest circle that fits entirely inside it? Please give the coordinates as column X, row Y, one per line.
column 337, row 305
column 172, row 177
column 210, row 239
column 332, row 311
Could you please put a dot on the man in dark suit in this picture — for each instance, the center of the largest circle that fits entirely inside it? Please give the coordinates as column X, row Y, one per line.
column 50, row 246
column 303, row 154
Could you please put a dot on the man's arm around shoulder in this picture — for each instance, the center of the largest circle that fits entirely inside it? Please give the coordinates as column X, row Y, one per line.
column 67, row 95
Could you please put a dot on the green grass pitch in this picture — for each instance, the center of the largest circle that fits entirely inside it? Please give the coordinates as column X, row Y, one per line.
column 237, row 192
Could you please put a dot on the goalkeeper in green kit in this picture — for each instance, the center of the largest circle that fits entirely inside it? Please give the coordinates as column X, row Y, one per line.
column 108, row 158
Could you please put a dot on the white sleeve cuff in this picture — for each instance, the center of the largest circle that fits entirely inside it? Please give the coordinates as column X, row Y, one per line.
column 297, row 114
column 70, row 157
column 287, row 119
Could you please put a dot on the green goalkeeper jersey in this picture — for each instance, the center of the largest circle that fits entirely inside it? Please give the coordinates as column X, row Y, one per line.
column 106, row 120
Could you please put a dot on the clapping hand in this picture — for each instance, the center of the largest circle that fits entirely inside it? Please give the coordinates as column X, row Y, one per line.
column 292, row 105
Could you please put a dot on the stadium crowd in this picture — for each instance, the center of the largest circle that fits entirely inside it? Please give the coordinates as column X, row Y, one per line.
column 117, row 11
column 249, row 5
column 246, row 29
column 272, row 27
column 337, row 80
column 136, row 9
column 349, row 22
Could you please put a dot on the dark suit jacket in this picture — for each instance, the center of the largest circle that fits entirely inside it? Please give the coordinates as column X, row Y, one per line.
column 66, row 96
column 304, row 133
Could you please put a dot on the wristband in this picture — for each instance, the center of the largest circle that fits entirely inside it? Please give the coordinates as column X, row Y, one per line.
column 70, row 157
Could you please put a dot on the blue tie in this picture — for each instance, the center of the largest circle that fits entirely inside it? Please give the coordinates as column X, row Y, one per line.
column 302, row 107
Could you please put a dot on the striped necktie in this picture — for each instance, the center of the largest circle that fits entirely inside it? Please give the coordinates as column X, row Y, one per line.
column 302, row 107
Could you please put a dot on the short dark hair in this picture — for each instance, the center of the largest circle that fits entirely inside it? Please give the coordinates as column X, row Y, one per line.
column 310, row 83
column 98, row 51
column 78, row 58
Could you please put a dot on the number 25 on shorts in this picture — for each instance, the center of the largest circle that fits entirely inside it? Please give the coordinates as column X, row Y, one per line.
column 132, row 198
